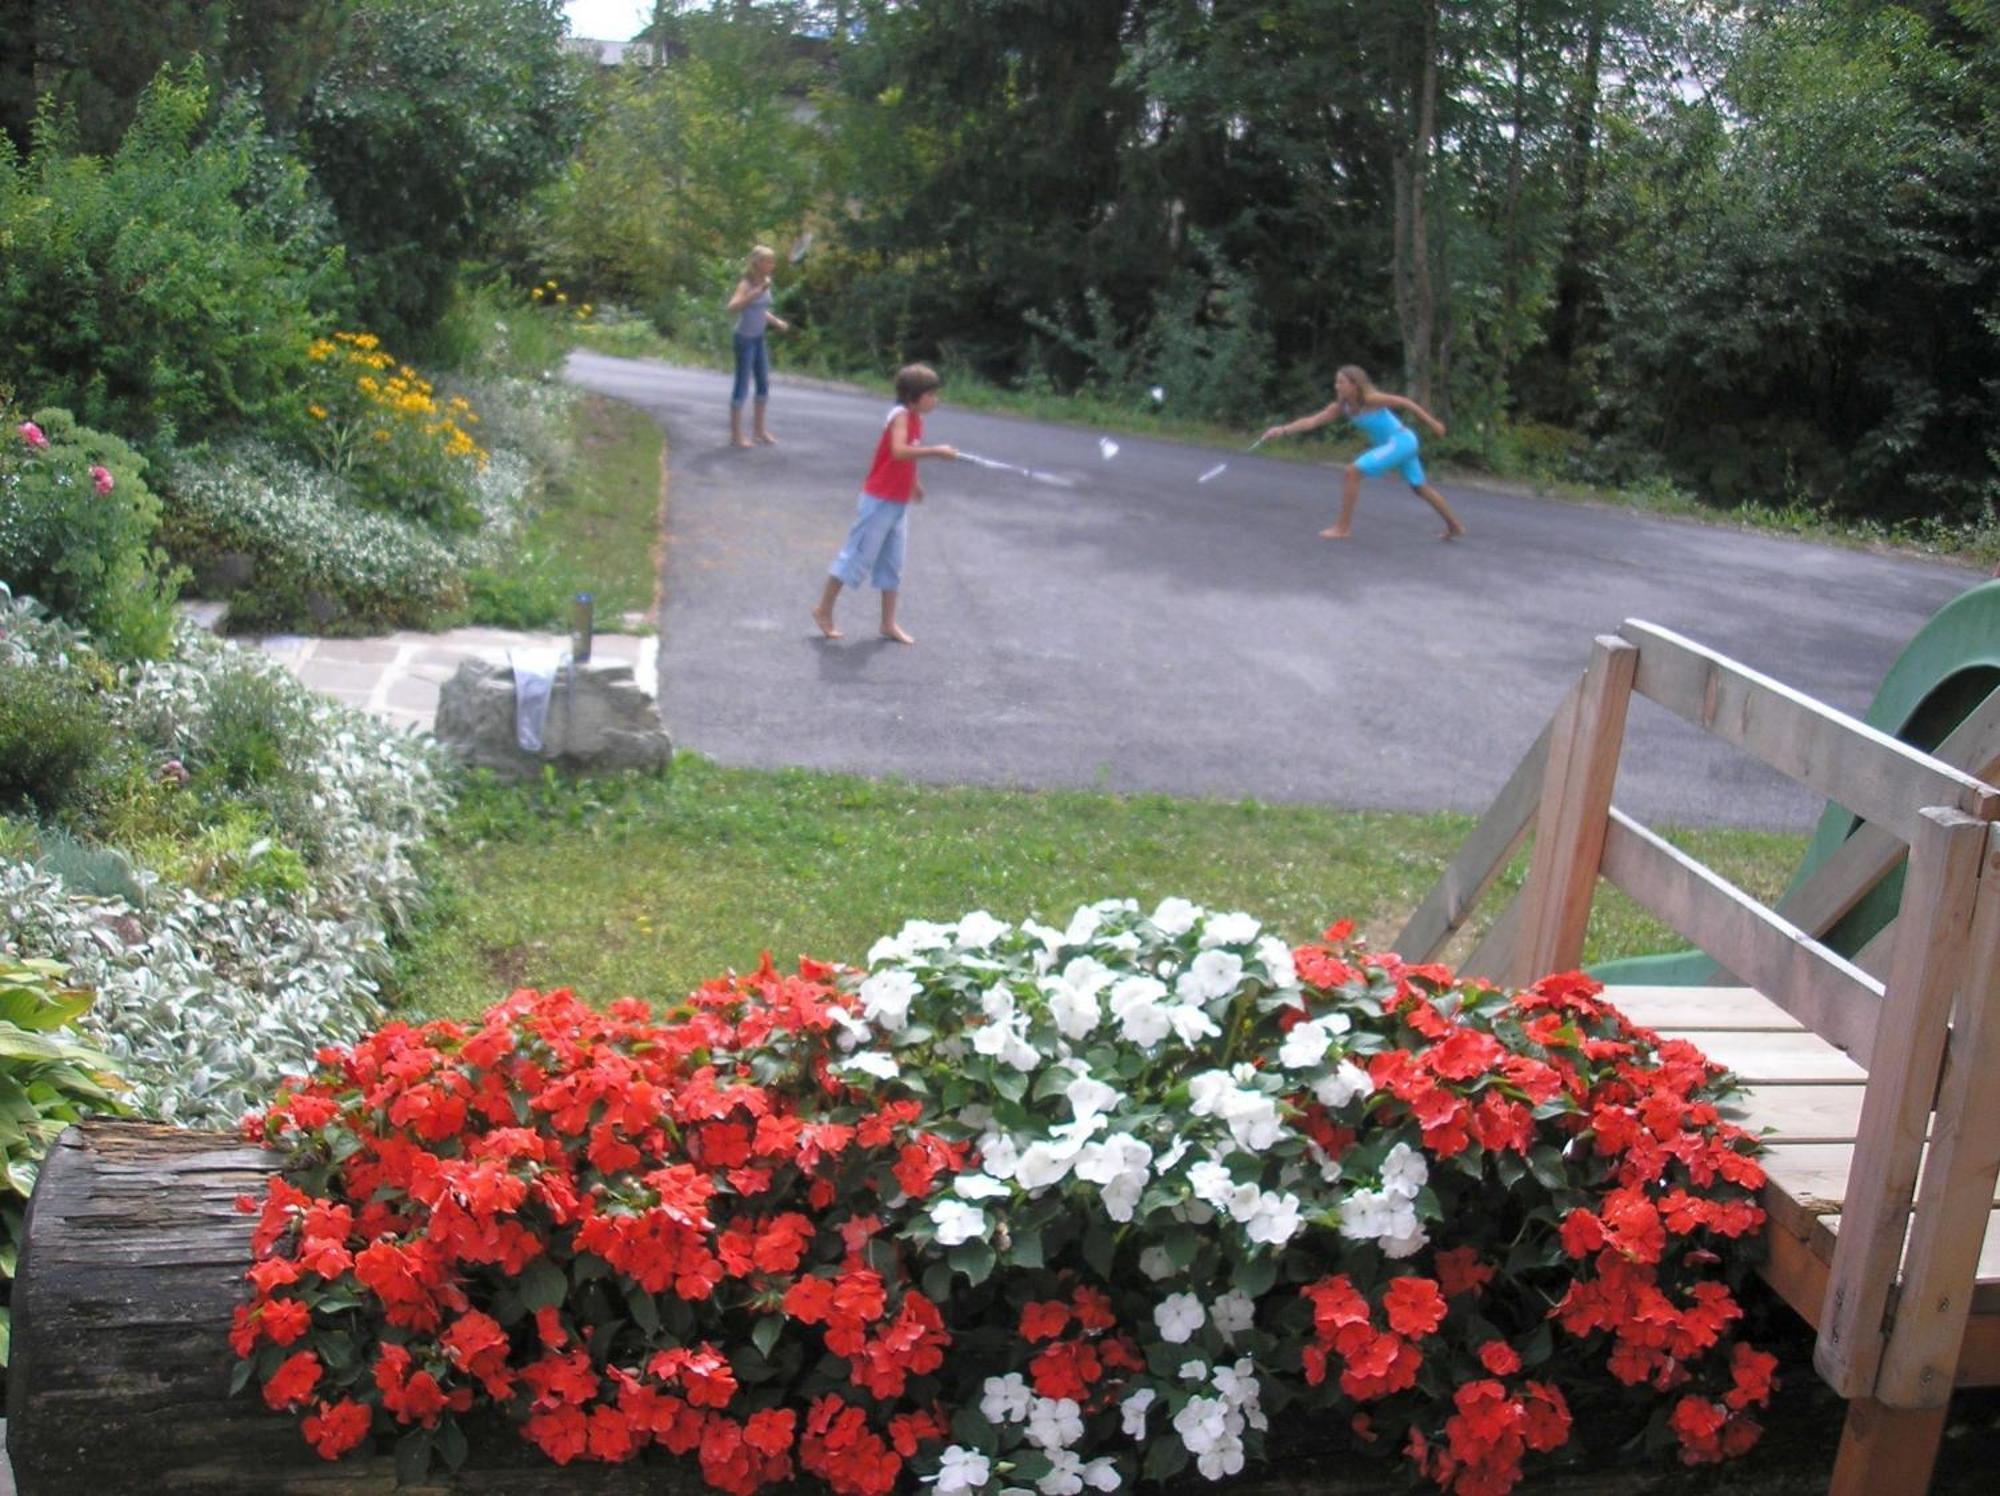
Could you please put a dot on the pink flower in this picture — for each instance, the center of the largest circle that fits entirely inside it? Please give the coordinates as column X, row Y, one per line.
column 32, row 435
column 100, row 479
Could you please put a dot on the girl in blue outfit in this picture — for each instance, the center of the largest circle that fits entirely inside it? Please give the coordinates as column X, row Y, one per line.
column 751, row 305
column 1393, row 446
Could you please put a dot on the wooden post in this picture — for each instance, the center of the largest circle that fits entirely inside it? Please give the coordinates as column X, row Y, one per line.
column 1955, row 1198
column 1886, row 1451
column 1931, row 933
column 1576, row 798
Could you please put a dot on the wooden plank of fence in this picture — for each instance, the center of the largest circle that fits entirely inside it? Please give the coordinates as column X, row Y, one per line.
column 1932, row 931
column 1569, row 833
column 1482, row 857
column 1949, row 1225
column 1493, row 958
column 1852, row 764
column 1816, row 986
column 1867, row 856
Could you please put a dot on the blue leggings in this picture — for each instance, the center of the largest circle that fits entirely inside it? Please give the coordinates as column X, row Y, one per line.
column 752, row 357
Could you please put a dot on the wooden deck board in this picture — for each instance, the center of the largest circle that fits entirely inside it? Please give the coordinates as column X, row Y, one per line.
column 1686, row 1009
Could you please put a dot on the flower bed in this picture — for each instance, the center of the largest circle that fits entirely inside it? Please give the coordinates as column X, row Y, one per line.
column 1017, row 1208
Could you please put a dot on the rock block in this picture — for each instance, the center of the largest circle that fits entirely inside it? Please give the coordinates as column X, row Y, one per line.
column 599, row 722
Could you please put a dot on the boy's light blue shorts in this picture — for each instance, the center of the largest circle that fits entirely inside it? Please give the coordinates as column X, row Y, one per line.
column 1398, row 454
column 875, row 545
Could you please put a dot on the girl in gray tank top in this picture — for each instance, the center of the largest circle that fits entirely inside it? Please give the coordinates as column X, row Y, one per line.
column 751, row 305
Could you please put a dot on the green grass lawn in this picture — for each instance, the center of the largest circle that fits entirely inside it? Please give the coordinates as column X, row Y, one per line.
column 595, row 529
column 649, row 886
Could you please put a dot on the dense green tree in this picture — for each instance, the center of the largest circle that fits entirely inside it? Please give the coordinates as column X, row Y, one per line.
column 432, row 119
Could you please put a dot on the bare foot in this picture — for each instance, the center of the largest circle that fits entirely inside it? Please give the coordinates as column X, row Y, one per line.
column 824, row 618
column 1333, row 534
column 741, row 441
column 767, row 439
column 1453, row 533
column 895, row 632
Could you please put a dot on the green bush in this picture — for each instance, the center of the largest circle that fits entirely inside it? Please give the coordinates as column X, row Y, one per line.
column 175, row 285
column 77, row 526
column 100, row 872
column 53, row 735
column 47, row 1081
column 289, row 548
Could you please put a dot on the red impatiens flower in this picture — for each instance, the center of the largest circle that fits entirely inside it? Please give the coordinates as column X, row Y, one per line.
column 293, row 1382
column 337, row 1427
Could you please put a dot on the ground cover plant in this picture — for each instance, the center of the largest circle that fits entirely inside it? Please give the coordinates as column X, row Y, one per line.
column 1018, row 1206
column 223, row 859
column 648, row 885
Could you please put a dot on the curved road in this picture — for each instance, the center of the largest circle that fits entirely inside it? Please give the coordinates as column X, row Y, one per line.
column 1138, row 630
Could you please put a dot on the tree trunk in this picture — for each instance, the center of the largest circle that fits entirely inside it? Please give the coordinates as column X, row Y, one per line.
column 1510, row 294
column 1419, row 345
column 1572, row 270
column 121, row 1362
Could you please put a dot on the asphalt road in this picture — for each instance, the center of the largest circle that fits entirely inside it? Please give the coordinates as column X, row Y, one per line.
column 1137, row 630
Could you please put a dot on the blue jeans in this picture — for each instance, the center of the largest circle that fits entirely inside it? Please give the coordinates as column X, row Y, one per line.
column 875, row 545
column 752, row 357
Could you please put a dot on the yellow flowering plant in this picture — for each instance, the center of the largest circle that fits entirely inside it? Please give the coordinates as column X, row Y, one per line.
column 549, row 296
column 383, row 427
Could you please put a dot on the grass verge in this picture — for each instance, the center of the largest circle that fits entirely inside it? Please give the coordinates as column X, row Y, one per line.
column 594, row 529
column 649, row 886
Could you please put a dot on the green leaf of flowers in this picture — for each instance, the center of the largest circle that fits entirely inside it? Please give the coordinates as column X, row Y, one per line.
column 451, row 1444
column 413, row 1457
column 1546, row 1164
column 974, row 1259
column 1031, row 1465
column 239, row 1376
column 764, row 1334
column 1164, row 1458
column 543, row 1286
column 1182, row 1246
column 1256, row 1277
column 1100, row 1248
column 1537, row 1346
column 645, row 1309
column 970, row 1428
column 1026, row 1249
column 937, row 1282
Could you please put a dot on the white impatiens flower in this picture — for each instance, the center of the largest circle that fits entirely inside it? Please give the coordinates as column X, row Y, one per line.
column 871, row 1062
column 999, row 1155
column 1233, row 1313
column 1211, row 1183
column 1342, row 1085
column 957, row 1222
column 1193, row 1371
column 978, row 930
column 1191, row 1025
column 1132, row 1412
column 1210, row 975
column 1101, row 1474
column 916, row 935
column 1054, row 1423
column 886, row 997
column 961, row 1471
column 1065, row 1477
column 1175, row 917
column 979, row 1186
column 853, row 1030
column 1277, row 1219
column 1137, row 1002
column 1277, row 959
column 1121, row 1165
column 1306, row 1045
column 1404, row 1171
column 1048, row 1160
column 1073, row 995
column 1156, row 1264
column 1229, row 929
column 1006, row 1399
column 1178, row 1316
column 1082, row 925
column 1089, row 1097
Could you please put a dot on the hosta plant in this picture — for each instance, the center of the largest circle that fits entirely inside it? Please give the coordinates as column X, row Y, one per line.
column 1016, row 1208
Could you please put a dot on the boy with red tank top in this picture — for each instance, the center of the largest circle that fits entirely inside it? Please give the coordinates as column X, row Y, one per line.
column 875, row 544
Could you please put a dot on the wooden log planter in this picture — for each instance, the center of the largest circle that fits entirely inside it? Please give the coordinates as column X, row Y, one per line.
column 121, row 1361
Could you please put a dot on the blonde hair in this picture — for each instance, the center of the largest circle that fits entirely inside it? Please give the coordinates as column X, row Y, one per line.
column 1358, row 377
column 759, row 252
